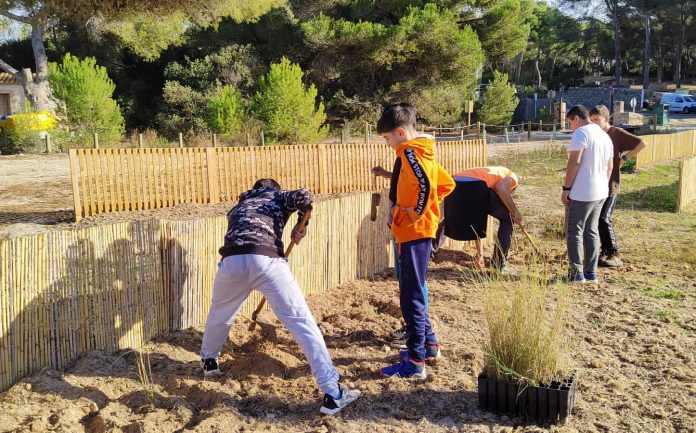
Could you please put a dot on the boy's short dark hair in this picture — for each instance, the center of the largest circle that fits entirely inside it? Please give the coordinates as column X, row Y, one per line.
column 602, row 110
column 578, row 111
column 399, row 115
column 267, row 183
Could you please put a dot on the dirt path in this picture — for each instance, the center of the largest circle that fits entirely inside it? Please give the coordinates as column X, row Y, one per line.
column 633, row 344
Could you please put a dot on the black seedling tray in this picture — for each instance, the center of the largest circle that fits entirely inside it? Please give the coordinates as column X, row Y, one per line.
column 552, row 402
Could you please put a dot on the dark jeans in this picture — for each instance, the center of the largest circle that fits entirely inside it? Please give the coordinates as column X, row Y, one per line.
column 497, row 209
column 413, row 263
column 606, row 227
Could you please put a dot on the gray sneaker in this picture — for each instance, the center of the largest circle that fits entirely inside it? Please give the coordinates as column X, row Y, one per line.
column 610, row 261
column 332, row 406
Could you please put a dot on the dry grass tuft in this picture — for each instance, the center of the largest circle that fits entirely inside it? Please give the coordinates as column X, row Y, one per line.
column 528, row 337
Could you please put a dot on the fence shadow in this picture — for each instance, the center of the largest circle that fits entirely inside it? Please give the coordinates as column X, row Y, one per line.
column 659, row 198
column 47, row 218
column 102, row 300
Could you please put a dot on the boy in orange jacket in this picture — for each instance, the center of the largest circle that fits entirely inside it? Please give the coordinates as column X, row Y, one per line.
column 421, row 185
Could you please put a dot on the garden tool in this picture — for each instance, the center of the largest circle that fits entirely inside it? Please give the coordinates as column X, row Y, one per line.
column 376, row 198
column 524, row 230
column 255, row 315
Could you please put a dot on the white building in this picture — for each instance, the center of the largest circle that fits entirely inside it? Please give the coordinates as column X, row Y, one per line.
column 11, row 95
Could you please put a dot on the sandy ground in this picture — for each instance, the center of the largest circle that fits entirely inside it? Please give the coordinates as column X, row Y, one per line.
column 633, row 345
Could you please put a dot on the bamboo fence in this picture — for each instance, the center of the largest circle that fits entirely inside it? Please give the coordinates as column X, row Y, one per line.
column 113, row 180
column 687, row 183
column 116, row 286
column 666, row 147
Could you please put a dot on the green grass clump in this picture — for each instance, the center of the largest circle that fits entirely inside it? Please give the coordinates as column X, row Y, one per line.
column 652, row 189
column 664, row 294
column 528, row 339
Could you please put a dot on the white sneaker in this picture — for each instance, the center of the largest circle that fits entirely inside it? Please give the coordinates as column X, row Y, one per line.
column 332, row 406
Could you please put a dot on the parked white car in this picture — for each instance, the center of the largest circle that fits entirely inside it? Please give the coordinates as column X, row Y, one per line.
column 679, row 103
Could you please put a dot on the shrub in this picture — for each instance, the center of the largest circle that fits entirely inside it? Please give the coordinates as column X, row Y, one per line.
column 499, row 101
column 287, row 108
column 25, row 132
column 225, row 111
column 527, row 331
column 85, row 90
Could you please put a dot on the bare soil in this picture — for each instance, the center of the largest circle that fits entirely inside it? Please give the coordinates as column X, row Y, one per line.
column 633, row 345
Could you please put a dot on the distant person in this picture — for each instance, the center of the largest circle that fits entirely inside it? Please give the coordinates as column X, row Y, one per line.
column 253, row 258
column 626, row 146
column 501, row 182
column 422, row 185
column 585, row 188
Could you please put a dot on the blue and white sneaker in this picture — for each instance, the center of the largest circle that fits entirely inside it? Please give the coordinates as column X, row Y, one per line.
column 572, row 278
column 432, row 353
column 591, row 277
column 406, row 369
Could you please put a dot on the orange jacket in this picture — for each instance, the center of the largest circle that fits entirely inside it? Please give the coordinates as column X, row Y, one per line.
column 422, row 185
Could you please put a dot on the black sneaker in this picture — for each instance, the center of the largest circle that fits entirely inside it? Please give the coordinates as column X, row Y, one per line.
column 398, row 338
column 399, row 343
column 400, row 333
column 332, row 406
column 210, row 367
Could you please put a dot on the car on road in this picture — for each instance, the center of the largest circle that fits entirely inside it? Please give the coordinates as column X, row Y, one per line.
column 679, row 103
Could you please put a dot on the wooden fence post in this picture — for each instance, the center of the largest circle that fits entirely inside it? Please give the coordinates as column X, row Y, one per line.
column 214, row 139
column 75, row 178
column 213, row 181
column 478, row 129
column 140, row 141
column 461, row 134
column 483, row 131
column 181, row 140
column 529, row 131
column 323, row 170
column 263, row 138
column 95, row 137
column 48, row 142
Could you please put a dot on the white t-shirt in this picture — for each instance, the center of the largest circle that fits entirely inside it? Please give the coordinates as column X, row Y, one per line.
column 592, row 180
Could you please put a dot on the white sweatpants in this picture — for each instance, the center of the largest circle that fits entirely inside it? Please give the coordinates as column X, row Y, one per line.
column 236, row 277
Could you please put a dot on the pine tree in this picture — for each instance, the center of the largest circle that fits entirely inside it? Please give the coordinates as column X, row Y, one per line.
column 499, row 101
column 225, row 111
column 287, row 108
column 86, row 89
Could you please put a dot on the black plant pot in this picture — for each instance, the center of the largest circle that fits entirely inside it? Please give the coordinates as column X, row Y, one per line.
column 552, row 402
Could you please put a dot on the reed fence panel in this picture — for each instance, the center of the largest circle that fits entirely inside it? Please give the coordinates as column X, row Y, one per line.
column 68, row 292
column 116, row 286
column 113, row 180
column 687, row 184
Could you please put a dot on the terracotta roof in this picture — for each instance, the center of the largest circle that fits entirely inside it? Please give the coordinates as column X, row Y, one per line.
column 6, row 78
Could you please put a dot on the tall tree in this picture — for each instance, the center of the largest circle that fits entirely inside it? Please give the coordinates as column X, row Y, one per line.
column 40, row 15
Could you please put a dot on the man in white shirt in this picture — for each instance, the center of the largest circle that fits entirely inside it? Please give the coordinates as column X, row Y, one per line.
column 586, row 186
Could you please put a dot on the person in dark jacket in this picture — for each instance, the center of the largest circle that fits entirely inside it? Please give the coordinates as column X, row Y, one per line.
column 253, row 258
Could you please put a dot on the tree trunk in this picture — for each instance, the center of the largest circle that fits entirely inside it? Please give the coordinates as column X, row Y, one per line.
column 679, row 48
column 518, row 67
column 553, row 65
column 660, row 60
column 646, row 52
column 37, row 88
column 536, row 67
column 617, row 47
